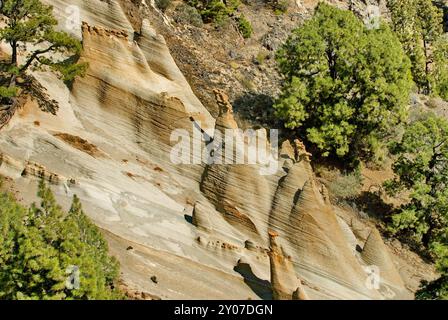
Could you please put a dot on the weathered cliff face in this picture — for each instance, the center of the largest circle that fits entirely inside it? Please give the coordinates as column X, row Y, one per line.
column 205, row 230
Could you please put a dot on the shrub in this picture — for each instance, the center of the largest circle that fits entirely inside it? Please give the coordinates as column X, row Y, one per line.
column 244, row 26
column 246, row 82
column 261, row 57
column 6, row 92
column 279, row 6
column 345, row 186
column 215, row 10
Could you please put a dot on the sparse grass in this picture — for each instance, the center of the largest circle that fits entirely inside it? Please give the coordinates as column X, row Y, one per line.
column 261, row 57
column 234, row 65
column 341, row 186
column 435, row 103
column 247, row 83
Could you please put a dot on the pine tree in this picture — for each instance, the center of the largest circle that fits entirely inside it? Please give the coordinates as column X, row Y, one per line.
column 439, row 75
column 421, row 170
column 97, row 256
column 31, row 24
column 419, row 25
column 41, row 248
column 346, row 86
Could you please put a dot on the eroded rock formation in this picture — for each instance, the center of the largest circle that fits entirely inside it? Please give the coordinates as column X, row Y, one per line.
column 374, row 253
column 190, row 223
column 285, row 284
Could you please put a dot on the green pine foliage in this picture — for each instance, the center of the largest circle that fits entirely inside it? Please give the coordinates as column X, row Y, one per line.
column 346, row 87
column 6, row 92
column 244, row 26
column 419, row 26
column 30, row 22
column 40, row 245
column 433, row 290
column 217, row 11
column 421, row 170
column 439, row 74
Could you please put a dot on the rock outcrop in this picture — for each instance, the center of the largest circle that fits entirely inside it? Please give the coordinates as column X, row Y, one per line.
column 201, row 217
column 319, row 242
column 225, row 118
column 285, row 284
column 107, row 14
column 238, row 190
column 191, row 223
column 375, row 253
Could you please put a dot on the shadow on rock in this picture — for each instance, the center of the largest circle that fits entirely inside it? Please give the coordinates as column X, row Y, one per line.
column 255, row 109
column 262, row 288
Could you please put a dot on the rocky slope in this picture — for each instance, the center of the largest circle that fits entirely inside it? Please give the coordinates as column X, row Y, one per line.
column 202, row 230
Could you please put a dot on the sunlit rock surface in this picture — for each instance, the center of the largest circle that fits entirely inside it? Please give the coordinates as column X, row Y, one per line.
column 205, row 230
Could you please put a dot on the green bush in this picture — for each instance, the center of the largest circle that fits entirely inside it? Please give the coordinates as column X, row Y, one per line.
column 216, row 11
column 6, row 92
column 279, row 6
column 244, row 26
column 46, row 253
column 261, row 57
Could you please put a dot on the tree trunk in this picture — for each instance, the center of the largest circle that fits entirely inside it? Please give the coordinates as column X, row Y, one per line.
column 331, row 57
column 14, row 62
column 426, row 238
column 427, row 65
column 8, row 110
